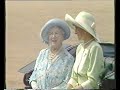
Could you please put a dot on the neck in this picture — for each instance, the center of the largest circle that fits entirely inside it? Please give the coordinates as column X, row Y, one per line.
column 87, row 41
column 55, row 49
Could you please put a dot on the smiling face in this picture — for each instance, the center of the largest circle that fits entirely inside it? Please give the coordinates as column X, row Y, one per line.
column 56, row 37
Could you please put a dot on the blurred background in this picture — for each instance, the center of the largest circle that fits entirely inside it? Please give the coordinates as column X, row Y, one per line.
column 24, row 20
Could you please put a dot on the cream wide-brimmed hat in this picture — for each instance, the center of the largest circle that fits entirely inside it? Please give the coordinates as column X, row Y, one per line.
column 54, row 22
column 83, row 20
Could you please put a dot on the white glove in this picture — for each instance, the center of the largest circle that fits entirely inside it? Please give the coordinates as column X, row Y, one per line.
column 34, row 85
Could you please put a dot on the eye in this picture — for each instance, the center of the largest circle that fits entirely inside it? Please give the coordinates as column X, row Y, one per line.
column 56, row 32
column 50, row 33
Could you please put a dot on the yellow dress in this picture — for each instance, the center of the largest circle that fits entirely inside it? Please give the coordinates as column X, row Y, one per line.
column 88, row 66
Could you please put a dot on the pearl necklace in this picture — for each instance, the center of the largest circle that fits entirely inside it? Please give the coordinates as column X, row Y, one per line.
column 52, row 56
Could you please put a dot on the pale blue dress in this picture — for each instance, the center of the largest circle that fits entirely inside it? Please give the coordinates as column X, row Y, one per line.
column 52, row 75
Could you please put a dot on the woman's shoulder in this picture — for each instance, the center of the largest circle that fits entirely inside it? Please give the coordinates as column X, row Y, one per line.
column 42, row 51
column 95, row 45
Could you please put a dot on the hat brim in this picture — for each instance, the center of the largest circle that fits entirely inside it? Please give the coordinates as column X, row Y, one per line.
column 72, row 23
column 51, row 23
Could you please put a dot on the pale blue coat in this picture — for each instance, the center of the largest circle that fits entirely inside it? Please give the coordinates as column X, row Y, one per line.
column 54, row 75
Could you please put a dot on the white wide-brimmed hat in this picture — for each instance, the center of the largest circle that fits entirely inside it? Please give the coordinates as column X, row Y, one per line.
column 55, row 22
column 83, row 20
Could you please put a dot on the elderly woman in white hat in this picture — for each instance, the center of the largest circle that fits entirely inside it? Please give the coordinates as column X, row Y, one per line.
column 89, row 62
column 54, row 64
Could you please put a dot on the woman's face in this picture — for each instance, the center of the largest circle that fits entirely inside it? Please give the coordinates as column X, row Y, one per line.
column 56, row 37
column 80, row 33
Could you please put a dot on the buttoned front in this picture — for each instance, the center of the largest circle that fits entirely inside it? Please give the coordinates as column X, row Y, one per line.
column 49, row 75
column 88, row 66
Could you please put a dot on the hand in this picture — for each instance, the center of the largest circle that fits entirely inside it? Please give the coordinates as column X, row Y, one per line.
column 69, row 86
column 34, row 85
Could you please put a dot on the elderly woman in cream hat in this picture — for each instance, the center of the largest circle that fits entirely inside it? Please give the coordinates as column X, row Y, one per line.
column 89, row 62
column 54, row 64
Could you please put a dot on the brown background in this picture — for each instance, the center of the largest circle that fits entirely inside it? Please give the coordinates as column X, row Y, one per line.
column 24, row 20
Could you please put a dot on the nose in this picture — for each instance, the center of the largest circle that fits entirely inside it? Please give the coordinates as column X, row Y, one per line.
column 53, row 35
